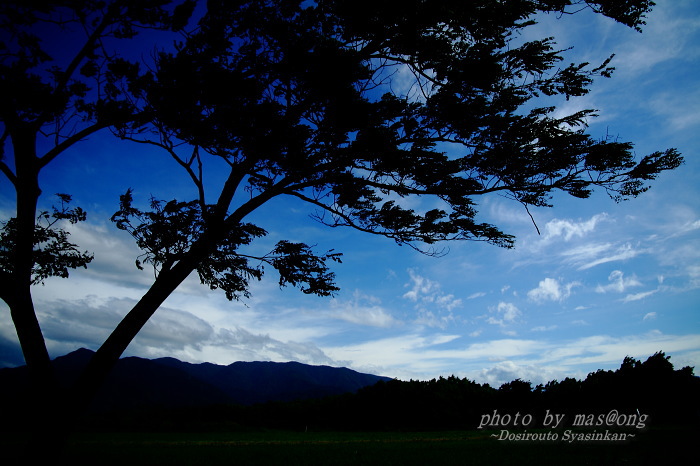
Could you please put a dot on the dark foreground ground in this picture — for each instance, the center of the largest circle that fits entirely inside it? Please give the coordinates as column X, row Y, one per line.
column 663, row 445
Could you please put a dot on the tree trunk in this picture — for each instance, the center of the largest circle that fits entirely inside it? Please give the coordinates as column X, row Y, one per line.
column 63, row 408
column 21, row 305
column 44, row 392
column 111, row 350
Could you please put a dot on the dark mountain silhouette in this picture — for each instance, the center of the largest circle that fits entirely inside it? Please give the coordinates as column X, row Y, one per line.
column 255, row 382
column 168, row 383
column 167, row 394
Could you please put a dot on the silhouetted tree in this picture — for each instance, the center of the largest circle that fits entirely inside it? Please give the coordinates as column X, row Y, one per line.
column 295, row 99
column 556, row 394
column 666, row 396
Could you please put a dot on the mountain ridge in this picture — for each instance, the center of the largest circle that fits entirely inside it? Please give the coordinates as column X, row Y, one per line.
column 137, row 382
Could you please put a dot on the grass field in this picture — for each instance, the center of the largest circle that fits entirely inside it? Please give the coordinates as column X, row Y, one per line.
column 654, row 446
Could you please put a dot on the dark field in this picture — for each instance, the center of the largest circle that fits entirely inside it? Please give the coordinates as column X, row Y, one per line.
column 654, row 446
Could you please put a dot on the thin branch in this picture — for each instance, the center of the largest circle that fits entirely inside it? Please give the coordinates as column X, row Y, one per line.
column 169, row 147
column 281, row 187
column 4, row 168
column 532, row 218
column 349, row 222
column 69, row 141
column 337, row 213
column 84, row 51
column 412, row 65
column 8, row 173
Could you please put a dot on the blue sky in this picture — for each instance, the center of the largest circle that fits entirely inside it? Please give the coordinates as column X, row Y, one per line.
column 599, row 282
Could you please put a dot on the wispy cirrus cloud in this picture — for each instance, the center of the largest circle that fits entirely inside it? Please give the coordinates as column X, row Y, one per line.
column 668, row 35
column 574, row 242
column 667, row 107
column 588, row 256
column 544, row 328
column 434, row 306
column 638, row 296
column 568, row 229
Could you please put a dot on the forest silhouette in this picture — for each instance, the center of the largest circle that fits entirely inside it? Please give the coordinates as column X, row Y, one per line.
column 644, row 394
column 652, row 387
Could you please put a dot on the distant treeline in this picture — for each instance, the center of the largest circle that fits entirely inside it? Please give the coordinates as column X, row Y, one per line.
column 651, row 390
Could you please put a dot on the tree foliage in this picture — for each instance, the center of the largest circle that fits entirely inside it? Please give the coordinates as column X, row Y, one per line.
column 300, row 100
column 54, row 255
column 166, row 233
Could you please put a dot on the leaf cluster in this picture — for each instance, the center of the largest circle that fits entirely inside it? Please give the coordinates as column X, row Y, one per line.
column 175, row 231
column 53, row 254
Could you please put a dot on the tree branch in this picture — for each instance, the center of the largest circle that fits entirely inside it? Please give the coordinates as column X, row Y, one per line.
column 8, row 173
column 349, row 222
column 69, row 141
column 84, row 51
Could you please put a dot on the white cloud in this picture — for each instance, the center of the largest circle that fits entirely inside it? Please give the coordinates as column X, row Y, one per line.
column 434, row 306
column 688, row 227
column 115, row 255
column 420, row 287
column 586, row 253
column 679, row 111
column 550, row 289
column 497, row 350
column 604, row 349
column 241, row 345
column 568, row 229
column 667, row 37
column 171, row 329
column 649, row 316
column 364, row 310
column 618, row 283
column 441, row 339
column 408, row 84
column 558, row 359
column 508, row 213
column 620, row 253
column 407, row 356
column 507, row 371
column 70, row 323
column 506, row 313
column 638, row 296
column 543, row 328
column 432, row 319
